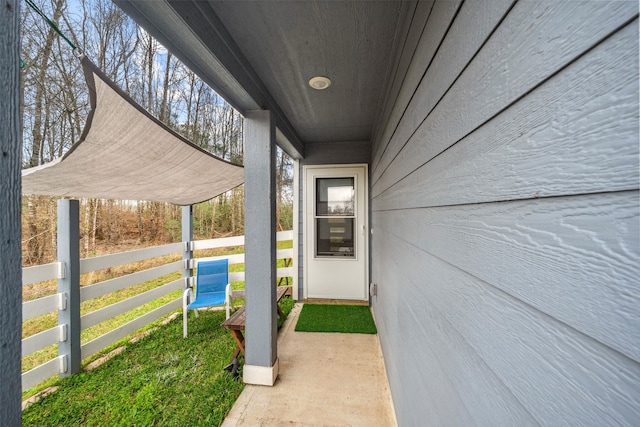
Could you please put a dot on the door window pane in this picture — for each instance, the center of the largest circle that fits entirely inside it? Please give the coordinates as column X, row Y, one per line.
column 335, row 219
column 335, row 197
column 334, row 237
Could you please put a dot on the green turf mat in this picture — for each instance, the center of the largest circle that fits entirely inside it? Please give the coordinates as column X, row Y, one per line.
column 354, row 319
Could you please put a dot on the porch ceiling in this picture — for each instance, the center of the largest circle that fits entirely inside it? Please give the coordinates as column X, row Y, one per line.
column 261, row 55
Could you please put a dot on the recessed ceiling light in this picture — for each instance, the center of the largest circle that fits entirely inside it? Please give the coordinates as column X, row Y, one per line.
column 319, row 83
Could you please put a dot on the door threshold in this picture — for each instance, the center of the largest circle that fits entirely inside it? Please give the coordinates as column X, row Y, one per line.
column 334, row 301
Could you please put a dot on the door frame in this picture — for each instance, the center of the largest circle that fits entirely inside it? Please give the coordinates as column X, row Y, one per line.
column 307, row 239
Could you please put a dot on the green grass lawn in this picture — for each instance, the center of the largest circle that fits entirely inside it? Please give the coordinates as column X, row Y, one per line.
column 162, row 379
column 353, row 319
column 41, row 323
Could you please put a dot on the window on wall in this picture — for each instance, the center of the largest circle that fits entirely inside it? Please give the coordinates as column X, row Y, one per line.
column 335, row 217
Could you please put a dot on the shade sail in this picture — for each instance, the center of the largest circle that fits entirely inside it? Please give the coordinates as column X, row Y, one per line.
column 125, row 153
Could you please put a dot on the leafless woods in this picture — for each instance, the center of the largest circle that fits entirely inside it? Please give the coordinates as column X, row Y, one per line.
column 55, row 105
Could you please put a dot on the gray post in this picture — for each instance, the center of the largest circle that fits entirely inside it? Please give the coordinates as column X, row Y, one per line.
column 261, row 363
column 69, row 254
column 10, row 234
column 187, row 236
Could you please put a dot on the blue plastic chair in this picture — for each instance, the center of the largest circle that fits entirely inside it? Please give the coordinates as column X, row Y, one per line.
column 212, row 289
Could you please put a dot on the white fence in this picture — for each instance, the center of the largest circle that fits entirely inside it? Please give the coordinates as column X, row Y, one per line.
column 58, row 301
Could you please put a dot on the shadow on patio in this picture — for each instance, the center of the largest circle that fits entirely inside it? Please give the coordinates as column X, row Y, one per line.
column 326, row 379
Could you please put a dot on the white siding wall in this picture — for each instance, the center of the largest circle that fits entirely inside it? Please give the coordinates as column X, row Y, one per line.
column 505, row 215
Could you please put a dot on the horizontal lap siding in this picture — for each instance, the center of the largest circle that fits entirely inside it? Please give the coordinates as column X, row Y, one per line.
column 505, row 216
column 414, row 26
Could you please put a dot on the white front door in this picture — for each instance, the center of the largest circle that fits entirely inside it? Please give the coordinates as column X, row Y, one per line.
column 335, row 229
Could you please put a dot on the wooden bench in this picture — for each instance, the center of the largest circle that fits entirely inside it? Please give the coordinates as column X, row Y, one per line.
column 236, row 322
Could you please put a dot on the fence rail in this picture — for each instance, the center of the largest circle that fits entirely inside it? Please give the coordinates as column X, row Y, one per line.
column 59, row 302
column 41, row 273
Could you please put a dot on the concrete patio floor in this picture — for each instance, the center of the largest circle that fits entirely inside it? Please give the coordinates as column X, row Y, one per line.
column 326, row 379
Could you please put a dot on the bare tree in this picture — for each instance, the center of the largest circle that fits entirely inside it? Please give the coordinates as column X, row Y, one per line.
column 109, row 37
column 164, row 108
column 43, row 58
column 55, row 107
column 39, row 52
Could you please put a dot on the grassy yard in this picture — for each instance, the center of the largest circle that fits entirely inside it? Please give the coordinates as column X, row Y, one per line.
column 162, row 379
column 39, row 324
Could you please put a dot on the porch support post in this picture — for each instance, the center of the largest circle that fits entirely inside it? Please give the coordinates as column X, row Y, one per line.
column 10, row 234
column 261, row 363
column 69, row 347
column 297, row 235
column 187, row 238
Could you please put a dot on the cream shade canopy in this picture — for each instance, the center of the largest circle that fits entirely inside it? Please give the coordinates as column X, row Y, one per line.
column 125, row 153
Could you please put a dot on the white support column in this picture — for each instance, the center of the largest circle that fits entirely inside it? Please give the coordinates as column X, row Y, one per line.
column 187, row 238
column 10, row 234
column 296, row 232
column 69, row 283
column 261, row 363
